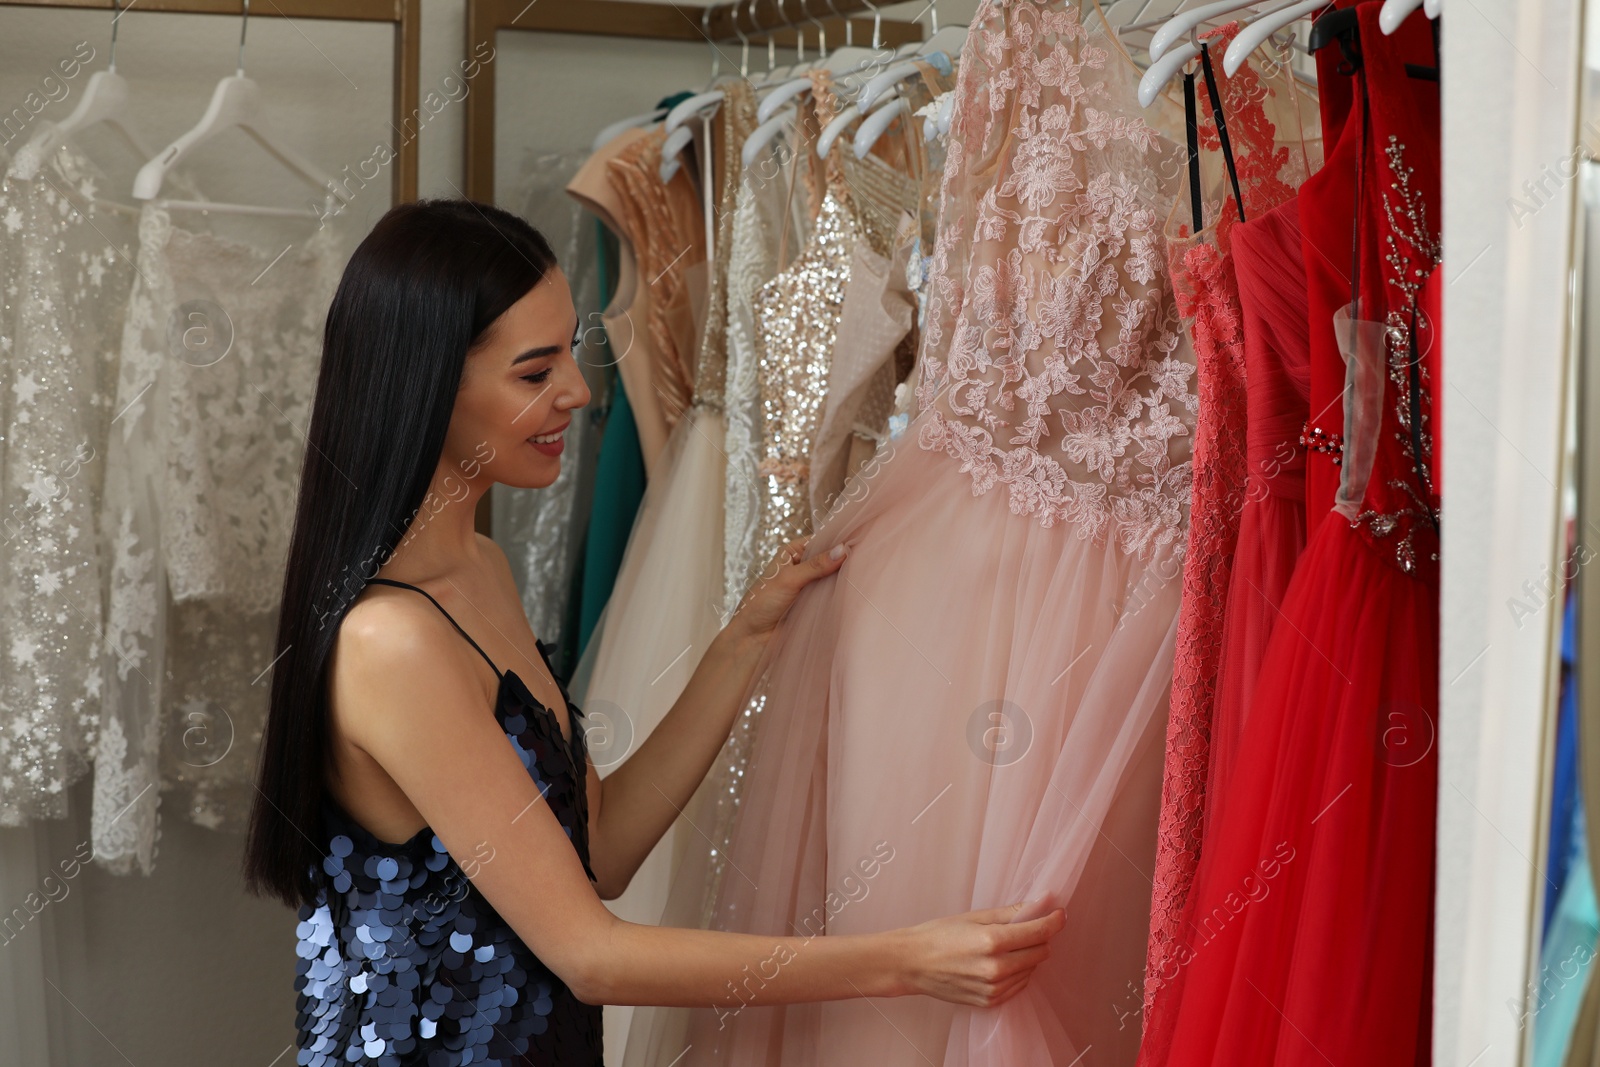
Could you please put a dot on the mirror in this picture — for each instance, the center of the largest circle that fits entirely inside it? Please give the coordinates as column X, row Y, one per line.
column 1560, row 1016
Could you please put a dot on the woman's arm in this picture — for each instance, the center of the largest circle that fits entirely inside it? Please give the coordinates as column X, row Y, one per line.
column 641, row 798
column 424, row 721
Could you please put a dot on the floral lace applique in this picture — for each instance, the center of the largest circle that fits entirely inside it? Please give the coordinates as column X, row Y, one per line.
column 1054, row 362
column 215, row 382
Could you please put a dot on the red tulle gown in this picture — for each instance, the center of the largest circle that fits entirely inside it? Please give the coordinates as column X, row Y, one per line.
column 1308, row 937
column 1272, row 522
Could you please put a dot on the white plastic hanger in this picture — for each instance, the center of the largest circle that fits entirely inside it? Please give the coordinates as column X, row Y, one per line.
column 763, row 134
column 831, row 132
column 684, row 110
column 236, row 102
column 948, row 40
column 899, row 72
column 1394, row 12
column 877, row 121
column 1161, row 71
column 1184, row 23
column 1431, row 8
column 105, row 99
column 775, row 73
column 1255, row 34
column 849, row 56
column 616, row 129
column 780, row 96
column 672, row 152
column 784, row 91
column 679, row 134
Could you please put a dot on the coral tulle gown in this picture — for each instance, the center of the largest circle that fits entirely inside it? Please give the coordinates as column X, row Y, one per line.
column 1258, row 118
column 1308, row 940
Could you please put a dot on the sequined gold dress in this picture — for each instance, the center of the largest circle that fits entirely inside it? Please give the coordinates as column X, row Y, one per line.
column 771, row 224
column 797, row 317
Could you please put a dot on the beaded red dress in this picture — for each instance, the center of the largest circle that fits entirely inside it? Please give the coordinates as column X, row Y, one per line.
column 1308, row 937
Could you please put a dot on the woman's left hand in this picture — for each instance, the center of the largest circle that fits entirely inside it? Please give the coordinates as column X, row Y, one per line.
column 775, row 590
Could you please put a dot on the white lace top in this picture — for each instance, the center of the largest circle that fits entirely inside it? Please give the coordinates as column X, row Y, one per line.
column 219, row 362
column 66, row 267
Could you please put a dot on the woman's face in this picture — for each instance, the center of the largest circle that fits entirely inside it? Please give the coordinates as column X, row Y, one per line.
column 519, row 389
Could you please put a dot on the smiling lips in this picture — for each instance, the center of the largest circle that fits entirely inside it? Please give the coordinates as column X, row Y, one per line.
column 550, row 444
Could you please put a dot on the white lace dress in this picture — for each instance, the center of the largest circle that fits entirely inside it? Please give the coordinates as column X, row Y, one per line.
column 66, row 268
column 219, row 365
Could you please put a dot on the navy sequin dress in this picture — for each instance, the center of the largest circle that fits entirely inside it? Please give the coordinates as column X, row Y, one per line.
column 402, row 960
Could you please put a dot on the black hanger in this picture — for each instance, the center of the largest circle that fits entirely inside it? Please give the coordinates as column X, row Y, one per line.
column 1341, row 25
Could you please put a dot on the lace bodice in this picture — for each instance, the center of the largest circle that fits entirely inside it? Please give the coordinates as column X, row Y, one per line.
column 218, row 371
column 66, row 268
column 1053, row 363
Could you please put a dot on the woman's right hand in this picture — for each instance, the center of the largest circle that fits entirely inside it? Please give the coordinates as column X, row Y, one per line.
column 981, row 958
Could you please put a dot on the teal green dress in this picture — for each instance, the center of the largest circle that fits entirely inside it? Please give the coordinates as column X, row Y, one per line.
column 619, row 482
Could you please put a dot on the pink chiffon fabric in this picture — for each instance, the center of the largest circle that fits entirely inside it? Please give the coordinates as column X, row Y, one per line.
column 971, row 712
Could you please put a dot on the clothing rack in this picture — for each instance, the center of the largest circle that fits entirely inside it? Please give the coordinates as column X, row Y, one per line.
column 714, row 25
column 781, row 20
column 404, row 15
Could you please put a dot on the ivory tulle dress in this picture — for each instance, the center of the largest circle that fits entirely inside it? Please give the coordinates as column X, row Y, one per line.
column 666, row 604
column 970, row 712
column 1309, row 939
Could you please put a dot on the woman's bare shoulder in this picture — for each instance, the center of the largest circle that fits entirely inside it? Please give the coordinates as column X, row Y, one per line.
column 389, row 639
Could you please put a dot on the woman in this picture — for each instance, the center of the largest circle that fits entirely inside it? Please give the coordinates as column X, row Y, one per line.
column 450, row 883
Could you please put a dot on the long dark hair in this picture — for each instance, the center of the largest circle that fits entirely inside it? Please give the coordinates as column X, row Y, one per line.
column 417, row 294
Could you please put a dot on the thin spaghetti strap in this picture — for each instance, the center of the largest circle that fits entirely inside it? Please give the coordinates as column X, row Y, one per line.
column 1222, row 128
column 446, row 614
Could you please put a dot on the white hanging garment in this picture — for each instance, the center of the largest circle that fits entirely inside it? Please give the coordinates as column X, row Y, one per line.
column 219, row 365
column 66, row 268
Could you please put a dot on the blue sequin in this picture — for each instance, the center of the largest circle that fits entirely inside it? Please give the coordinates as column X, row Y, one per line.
column 401, row 961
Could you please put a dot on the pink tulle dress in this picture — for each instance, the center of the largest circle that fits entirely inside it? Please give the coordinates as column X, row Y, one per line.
column 971, row 712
